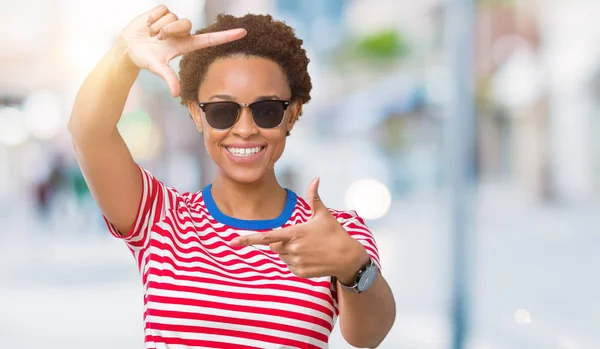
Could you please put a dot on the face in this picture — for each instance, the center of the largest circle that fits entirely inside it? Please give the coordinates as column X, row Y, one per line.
column 245, row 152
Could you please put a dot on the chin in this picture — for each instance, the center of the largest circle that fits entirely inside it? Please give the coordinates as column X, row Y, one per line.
column 244, row 176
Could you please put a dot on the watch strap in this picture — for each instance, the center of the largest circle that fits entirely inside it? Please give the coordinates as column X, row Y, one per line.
column 354, row 287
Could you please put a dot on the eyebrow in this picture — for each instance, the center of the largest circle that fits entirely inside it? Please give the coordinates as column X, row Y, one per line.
column 230, row 98
column 225, row 97
column 266, row 98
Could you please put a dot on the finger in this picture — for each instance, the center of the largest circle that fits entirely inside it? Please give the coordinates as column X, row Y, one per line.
column 199, row 41
column 179, row 28
column 163, row 21
column 277, row 247
column 313, row 198
column 287, row 259
column 169, row 76
column 157, row 13
column 305, row 272
column 264, row 238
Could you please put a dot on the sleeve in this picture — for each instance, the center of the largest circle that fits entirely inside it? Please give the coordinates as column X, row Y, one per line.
column 356, row 227
column 151, row 209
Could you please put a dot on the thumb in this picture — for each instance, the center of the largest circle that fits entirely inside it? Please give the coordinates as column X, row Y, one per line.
column 169, row 76
column 313, row 198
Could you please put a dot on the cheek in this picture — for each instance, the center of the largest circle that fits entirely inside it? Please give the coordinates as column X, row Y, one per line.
column 278, row 144
column 212, row 139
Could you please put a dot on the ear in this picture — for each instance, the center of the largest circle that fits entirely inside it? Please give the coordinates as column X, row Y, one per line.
column 295, row 111
column 196, row 115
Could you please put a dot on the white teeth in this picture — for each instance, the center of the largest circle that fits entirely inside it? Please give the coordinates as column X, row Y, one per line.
column 243, row 152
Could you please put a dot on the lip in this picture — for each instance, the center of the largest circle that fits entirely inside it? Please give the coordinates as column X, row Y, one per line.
column 247, row 159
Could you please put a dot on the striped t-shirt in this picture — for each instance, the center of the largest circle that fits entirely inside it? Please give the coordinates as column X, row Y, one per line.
column 199, row 292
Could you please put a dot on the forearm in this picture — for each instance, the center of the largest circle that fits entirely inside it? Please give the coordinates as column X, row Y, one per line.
column 366, row 318
column 101, row 99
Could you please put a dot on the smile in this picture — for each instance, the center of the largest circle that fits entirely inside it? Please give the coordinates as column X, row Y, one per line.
column 244, row 152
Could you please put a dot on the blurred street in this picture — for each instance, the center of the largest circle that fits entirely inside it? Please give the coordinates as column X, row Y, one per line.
column 392, row 128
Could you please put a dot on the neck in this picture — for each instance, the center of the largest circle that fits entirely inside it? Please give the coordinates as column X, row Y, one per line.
column 263, row 199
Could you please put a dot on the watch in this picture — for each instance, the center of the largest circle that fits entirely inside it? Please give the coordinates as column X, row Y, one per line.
column 364, row 278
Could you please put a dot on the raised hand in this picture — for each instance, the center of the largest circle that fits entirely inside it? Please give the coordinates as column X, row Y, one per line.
column 318, row 247
column 154, row 38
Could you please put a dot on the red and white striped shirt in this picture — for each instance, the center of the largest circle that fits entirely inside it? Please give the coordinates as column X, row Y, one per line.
column 201, row 293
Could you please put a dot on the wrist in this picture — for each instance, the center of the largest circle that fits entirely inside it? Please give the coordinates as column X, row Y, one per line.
column 357, row 258
column 120, row 53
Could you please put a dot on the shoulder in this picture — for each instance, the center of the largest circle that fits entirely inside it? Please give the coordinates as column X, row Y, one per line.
column 187, row 199
column 173, row 196
column 343, row 216
column 351, row 221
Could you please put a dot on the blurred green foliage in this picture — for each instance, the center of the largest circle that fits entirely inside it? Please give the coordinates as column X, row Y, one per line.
column 386, row 44
column 375, row 49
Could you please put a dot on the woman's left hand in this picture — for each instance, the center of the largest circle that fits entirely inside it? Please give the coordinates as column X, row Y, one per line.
column 318, row 247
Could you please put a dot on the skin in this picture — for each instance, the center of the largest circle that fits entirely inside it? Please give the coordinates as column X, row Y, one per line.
column 319, row 247
column 107, row 165
column 245, row 80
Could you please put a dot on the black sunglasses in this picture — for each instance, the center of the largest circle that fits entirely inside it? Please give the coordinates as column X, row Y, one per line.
column 224, row 114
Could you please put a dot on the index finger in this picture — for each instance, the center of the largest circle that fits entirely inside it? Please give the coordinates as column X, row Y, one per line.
column 199, row 41
column 264, row 238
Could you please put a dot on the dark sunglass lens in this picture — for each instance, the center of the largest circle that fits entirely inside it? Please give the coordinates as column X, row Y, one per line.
column 221, row 115
column 268, row 114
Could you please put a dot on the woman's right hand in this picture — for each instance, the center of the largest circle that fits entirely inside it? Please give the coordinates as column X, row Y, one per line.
column 154, row 38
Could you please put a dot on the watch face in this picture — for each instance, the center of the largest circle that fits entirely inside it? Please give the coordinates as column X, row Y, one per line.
column 367, row 279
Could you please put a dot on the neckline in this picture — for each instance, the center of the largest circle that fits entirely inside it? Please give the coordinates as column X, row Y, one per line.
column 250, row 224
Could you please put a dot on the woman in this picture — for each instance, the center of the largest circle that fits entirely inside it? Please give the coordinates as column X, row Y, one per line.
column 242, row 263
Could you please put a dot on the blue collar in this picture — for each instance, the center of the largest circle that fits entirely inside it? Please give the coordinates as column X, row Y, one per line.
column 211, row 206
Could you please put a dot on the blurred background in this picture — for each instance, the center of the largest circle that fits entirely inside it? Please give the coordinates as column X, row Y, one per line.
column 479, row 173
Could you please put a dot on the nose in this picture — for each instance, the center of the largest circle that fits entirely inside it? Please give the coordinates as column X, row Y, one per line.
column 245, row 126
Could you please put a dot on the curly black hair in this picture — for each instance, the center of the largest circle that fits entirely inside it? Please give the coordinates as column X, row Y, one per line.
column 266, row 38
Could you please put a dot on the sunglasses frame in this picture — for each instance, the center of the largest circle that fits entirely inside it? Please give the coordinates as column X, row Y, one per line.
column 285, row 104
